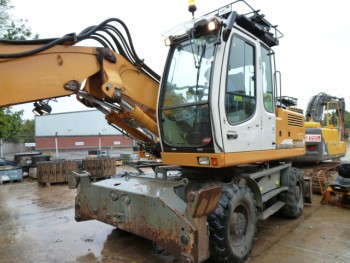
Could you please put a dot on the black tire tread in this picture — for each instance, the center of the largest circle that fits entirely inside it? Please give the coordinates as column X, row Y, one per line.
column 219, row 244
column 293, row 208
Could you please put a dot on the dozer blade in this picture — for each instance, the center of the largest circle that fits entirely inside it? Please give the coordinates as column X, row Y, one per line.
column 150, row 208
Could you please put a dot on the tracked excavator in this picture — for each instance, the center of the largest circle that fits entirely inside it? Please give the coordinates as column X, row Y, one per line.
column 325, row 139
column 212, row 116
column 325, row 146
column 325, row 130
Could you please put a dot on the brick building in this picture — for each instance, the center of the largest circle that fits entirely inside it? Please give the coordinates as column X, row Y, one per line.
column 82, row 130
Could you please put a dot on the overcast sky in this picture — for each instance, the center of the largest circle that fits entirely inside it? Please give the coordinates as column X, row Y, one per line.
column 313, row 56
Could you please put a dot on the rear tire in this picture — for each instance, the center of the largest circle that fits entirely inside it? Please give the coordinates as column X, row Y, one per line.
column 294, row 197
column 233, row 225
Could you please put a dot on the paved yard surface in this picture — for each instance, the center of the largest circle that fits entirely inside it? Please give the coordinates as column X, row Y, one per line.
column 37, row 225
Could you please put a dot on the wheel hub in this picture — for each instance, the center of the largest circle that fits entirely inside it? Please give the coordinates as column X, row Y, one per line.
column 238, row 224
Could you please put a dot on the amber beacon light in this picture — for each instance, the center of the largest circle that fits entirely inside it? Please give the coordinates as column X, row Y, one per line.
column 192, row 6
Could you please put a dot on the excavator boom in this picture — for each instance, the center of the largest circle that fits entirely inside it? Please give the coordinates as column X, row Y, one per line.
column 44, row 75
column 110, row 78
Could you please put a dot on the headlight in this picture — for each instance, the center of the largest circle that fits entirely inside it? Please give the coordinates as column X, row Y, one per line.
column 203, row 161
column 211, row 26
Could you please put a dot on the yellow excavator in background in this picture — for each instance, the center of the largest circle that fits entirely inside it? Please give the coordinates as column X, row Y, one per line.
column 213, row 117
column 325, row 142
column 325, row 146
column 325, row 130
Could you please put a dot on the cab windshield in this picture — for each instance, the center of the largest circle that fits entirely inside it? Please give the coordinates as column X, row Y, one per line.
column 185, row 113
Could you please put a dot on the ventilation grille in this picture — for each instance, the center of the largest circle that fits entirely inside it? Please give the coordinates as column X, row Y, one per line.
column 295, row 120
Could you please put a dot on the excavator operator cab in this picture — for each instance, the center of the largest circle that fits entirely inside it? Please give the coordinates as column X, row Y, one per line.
column 185, row 107
column 217, row 91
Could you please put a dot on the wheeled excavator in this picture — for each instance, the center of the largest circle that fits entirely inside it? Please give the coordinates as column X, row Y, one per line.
column 212, row 116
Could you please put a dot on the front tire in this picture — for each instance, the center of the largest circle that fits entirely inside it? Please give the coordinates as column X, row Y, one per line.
column 233, row 225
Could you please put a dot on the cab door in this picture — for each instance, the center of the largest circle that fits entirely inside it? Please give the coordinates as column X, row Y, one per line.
column 268, row 116
column 243, row 115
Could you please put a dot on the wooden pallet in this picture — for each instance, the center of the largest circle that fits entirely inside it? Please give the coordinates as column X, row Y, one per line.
column 53, row 172
column 100, row 167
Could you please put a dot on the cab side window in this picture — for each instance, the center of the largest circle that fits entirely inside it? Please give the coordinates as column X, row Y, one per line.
column 267, row 80
column 240, row 82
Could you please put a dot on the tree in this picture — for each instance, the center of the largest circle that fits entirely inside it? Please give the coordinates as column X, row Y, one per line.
column 12, row 127
column 27, row 131
column 13, row 29
column 18, row 31
column 4, row 15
